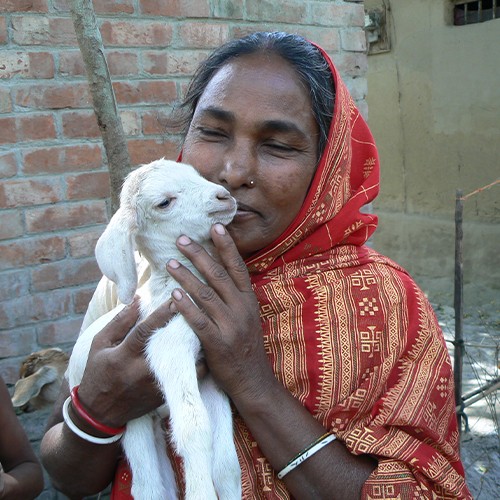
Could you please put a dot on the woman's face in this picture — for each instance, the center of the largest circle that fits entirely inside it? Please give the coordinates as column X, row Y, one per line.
column 253, row 132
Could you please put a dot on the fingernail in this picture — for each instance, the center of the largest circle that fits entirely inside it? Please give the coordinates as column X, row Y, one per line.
column 174, row 264
column 177, row 295
column 219, row 228
column 183, row 240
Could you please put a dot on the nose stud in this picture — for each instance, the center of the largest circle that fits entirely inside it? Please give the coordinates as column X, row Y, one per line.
column 251, row 183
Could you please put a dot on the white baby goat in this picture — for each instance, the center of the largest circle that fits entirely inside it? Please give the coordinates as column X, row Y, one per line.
column 159, row 202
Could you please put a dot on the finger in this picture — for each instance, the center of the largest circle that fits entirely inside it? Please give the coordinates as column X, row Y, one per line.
column 139, row 335
column 231, row 258
column 196, row 318
column 118, row 327
column 209, row 297
column 215, row 274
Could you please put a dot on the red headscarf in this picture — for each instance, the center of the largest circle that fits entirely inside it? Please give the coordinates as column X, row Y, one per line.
column 347, row 178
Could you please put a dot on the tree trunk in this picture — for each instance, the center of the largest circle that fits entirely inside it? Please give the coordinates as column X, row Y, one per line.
column 103, row 97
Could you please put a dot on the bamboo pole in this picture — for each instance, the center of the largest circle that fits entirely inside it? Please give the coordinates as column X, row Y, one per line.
column 103, row 97
column 458, row 301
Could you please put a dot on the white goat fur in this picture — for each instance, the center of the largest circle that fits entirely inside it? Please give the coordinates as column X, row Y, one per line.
column 200, row 414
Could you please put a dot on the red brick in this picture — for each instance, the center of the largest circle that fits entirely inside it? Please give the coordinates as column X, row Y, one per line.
column 64, row 274
column 29, row 192
column 176, row 8
column 41, row 65
column 83, row 244
column 203, row 35
column 80, row 124
column 353, row 40
column 81, row 299
column 182, row 63
column 66, row 216
column 32, row 308
column 8, row 165
column 43, row 30
column 58, row 160
column 27, row 128
column 294, row 11
column 5, row 101
column 17, row 342
column 351, row 64
column 228, row 9
column 122, row 63
column 31, row 251
column 24, row 6
column 26, row 64
column 114, row 7
column 145, row 92
column 136, row 34
column 88, row 186
column 352, row 15
column 35, row 127
column 146, row 150
column 8, row 132
column 59, row 332
column 9, row 369
column 328, row 38
column 13, row 284
column 130, row 122
column 4, row 36
column 71, row 63
column 154, row 122
column 61, row 5
column 11, row 224
column 53, row 96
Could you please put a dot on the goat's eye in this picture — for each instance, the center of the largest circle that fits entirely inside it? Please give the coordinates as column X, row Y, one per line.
column 164, row 204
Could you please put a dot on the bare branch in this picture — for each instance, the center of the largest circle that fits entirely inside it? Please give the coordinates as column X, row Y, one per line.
column 103, row 97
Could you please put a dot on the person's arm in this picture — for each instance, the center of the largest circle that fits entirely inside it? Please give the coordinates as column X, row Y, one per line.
column 226, row 319
column 20, row 471
column 116, row 387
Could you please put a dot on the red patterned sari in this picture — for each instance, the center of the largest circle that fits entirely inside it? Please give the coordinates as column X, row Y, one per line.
column 351, row 336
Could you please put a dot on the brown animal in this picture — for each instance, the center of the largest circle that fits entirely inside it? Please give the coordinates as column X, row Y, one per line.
column 41, row 375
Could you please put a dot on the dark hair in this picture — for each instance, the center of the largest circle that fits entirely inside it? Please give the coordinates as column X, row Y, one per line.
column 307, row 60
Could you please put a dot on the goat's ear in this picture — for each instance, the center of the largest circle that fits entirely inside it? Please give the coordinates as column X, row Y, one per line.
column 115, row 253
column 29, row 387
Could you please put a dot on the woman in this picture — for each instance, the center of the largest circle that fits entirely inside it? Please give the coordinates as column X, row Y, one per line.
column 328, row 350
column 20, row 471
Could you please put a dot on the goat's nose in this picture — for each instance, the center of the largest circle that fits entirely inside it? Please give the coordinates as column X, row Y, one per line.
column 223, row 195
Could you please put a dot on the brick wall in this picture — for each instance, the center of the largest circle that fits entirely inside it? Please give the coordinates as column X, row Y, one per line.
column 54, row 183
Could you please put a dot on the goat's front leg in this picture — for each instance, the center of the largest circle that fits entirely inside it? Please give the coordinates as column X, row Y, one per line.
column 172, row 353
column 226, row 467
column 146, row 460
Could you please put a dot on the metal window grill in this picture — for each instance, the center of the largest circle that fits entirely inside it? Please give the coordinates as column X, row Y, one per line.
column 475, row 12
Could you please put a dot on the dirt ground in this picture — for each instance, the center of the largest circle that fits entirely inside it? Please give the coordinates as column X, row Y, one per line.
column 480, row 443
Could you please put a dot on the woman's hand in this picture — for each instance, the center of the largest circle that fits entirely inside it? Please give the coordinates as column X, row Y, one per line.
column 224, row 315
column 117, row 385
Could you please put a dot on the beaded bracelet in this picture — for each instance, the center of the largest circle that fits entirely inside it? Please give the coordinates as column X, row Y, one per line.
column 77, row 405
column 315, row 446
column 76, row 430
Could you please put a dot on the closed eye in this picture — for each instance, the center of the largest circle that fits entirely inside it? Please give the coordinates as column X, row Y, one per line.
column 165, row 203
column 211, row 133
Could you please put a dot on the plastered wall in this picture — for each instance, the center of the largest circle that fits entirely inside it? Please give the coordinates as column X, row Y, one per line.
column 434, row 109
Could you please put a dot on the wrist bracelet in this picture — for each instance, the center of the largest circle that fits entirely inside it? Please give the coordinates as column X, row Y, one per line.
column 106, row 429
column 76, row 430
column 315, row 446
